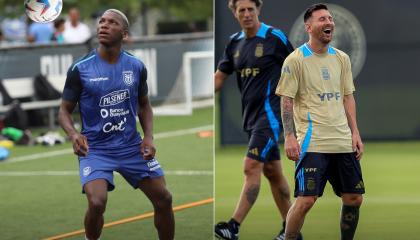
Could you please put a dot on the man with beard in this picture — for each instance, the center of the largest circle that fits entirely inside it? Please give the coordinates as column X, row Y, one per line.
column 109, row 84
column 316, row 89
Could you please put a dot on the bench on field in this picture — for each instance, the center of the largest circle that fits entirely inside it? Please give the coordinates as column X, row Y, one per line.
column 19, row 88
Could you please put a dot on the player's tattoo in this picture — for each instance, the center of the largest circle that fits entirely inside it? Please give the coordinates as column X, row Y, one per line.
column 291, row 236
column 349, row 220
column 252, row 193
column 287, row 115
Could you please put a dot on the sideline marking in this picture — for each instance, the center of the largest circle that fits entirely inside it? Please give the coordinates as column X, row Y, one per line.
column 132, row 219
column 36, row 156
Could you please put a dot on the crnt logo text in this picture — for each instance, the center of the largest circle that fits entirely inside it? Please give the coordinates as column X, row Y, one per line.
column 114, row 98
column 110, row 127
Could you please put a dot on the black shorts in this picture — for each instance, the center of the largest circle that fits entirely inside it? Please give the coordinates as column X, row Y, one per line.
column 263, row 145
column 342, row 170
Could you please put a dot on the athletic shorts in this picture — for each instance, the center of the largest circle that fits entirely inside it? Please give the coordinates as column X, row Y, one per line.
column 342, row 170
column 100, row 164
column 262, row 145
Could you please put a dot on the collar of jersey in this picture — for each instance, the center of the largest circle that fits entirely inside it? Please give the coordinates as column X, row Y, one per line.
column 307, row 51
column 262, row 31
column 103, row 60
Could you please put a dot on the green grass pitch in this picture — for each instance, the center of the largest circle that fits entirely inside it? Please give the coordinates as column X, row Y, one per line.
column 37, row 207
column 391, row 208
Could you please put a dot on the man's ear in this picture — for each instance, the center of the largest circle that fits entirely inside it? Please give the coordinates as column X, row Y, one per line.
column 125, row 35
column 307, row 27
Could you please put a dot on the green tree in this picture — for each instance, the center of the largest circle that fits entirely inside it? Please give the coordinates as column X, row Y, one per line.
column 186, row 10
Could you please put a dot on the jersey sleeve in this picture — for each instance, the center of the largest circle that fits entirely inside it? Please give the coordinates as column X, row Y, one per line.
column 143, row 88
column 289, row 79
column 347, row 76
column 283, row 46
column 73, row 86
column 226, row 63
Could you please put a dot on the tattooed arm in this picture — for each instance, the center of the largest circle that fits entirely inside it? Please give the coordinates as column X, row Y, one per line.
column 291, row 144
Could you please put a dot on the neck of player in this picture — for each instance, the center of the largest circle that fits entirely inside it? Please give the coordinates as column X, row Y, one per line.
column 252, row 32
column 109, row 54
column 317, row 46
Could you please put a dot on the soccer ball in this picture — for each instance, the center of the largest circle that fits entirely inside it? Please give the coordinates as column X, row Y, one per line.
column 43, row 10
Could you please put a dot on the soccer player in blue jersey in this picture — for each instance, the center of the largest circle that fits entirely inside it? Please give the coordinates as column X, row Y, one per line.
column 256, row 55
column 110, row 87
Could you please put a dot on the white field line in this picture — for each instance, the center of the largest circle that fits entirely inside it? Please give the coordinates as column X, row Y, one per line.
column 161, row 135
column 76, row 173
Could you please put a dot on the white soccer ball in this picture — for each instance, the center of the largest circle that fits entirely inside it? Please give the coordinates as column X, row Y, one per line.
column 43, row 10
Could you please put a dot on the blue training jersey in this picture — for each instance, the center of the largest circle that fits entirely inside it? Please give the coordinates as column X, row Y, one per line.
column 107, row 95
column 257, row 62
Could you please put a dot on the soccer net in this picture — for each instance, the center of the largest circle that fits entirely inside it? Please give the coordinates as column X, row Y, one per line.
column 193, row 87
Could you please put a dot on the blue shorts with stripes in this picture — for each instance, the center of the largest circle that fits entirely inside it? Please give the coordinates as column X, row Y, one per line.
column 129, row 162
column 342, row 170
column 263, row 145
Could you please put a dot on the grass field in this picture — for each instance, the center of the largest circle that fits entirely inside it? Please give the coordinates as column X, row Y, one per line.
column 42, row 205
column 391, row 208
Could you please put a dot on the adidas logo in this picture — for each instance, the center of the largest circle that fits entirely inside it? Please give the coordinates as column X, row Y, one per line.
column 360, row 185
column 254, row 151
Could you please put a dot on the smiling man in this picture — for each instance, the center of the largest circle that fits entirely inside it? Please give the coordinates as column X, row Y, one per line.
column 256, row 55
column 110, row 87
column 316, row 89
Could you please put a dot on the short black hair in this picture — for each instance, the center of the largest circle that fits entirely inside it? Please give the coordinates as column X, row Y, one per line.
column 313, row 8
column 59, row 22
column 232, row 4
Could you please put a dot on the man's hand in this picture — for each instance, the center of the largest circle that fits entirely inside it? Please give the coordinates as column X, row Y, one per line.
column 80, row 144
column 292, row 147
column 147, row 148
column 357, row 145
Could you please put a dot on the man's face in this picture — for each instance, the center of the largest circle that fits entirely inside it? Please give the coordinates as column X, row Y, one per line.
column 110, row 29
column 74, row 16
column 246, row 12
column 321, row 26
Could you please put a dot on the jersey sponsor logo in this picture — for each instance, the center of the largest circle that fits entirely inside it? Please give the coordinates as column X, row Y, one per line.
column 236, row 55
column 246, row 72
column 86, row 171
column 128, row 77
column 117, row 112
column 285, row 69
column 114, row 98
column 153, row 164
column 325, row 73
column 110, row 127
column 308, row 170
column 254, row 151
column 360, row 185
column 98, row 79
column 259, row 50
column 329, row 96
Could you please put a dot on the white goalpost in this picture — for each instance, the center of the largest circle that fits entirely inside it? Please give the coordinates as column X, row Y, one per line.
column 193, row 87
